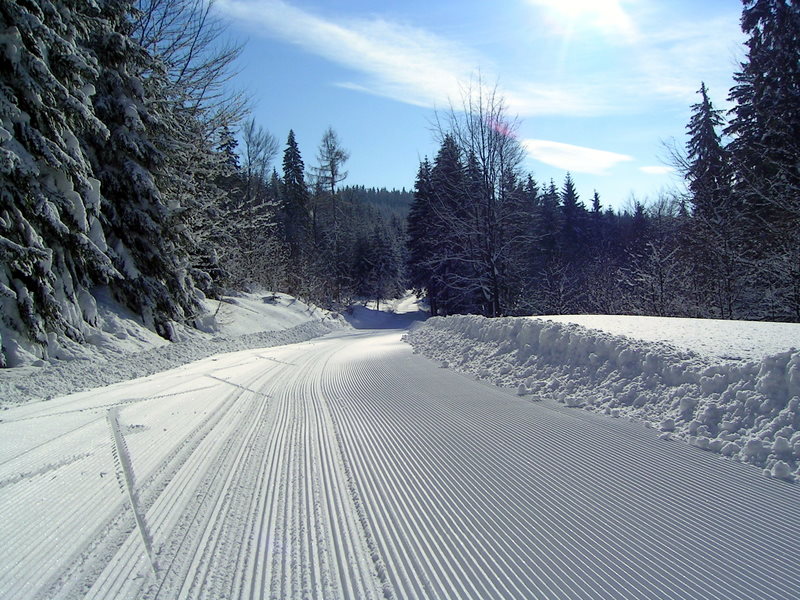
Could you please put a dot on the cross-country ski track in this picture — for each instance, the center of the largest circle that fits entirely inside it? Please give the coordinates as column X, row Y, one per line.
column 349, row 467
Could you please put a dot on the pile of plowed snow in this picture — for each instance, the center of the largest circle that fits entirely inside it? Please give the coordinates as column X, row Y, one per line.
column 740, row 399
column 120, row 348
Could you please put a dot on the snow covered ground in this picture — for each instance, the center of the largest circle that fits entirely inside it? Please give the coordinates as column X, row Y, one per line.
column 120, row 348
column 712, row 339
column 730, row 387
column 349, row 467
column 398, row 313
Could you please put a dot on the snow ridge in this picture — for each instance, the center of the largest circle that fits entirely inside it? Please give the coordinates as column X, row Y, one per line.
column 77, row 375
column 746, row 411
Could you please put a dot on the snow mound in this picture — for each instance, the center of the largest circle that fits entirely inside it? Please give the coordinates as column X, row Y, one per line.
column 120, row 348
column 745, row 410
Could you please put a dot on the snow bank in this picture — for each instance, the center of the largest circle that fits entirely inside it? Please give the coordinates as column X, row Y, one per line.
column 711, row 338
column 119, row 348
column 745, row 410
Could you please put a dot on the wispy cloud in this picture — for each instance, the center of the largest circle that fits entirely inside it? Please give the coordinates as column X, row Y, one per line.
column 577, row 159
column 653, row 53
column 404, row 63
column 401, row 62
column 677, row 57
column 657, row 170
column 662, row 67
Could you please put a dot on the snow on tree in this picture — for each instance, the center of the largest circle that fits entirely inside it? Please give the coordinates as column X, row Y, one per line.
column 475, row 206
column 765, row 148
column 714, row 244
column 52, row 246
column 252, row 251
column 331, row 157
column 197, row 61
column 146, row 231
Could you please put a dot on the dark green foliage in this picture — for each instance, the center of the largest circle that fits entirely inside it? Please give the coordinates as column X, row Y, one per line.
column 52, row 249
column 144, row 228
column 765, row 151
column 295, row 201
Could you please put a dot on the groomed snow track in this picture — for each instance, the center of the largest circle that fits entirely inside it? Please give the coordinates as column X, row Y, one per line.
column 347, row 467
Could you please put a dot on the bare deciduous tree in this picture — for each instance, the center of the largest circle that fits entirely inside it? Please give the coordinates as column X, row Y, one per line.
column 484, row 226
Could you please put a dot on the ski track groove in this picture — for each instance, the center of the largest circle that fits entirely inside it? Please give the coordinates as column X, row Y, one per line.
column 608, row 535
column 86, row 566
column 348, row 468
column 414, row 506
column 663, row 573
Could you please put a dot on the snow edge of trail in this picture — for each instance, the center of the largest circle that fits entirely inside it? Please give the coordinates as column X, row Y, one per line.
column 748, row 412
column 79, row 375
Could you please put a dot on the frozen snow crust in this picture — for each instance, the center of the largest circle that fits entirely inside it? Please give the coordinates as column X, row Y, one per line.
column 748, row 411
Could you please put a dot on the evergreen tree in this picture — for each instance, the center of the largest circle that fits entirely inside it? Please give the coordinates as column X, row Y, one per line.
column 295, row 201
column 765, row 147
column 52, row 247
column 420, row 239
column 708, row 174
column 146, row 232
column 452, row 238
column 713, row 245
column 548, row 224
column 573, row 223
column 487, row 139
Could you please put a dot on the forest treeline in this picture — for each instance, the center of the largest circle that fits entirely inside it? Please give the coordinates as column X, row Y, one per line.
column 486, row 238
column 127, row 162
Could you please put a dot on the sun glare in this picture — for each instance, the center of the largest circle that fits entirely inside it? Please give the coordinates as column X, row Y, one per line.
column 605, row 15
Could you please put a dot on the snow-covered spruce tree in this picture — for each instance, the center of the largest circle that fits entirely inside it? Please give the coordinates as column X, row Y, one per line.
column 573, row 235
column 377, row 268
column 714, row 244
column 52, row 247
column 146, row 232
column 453, row 244
column 573, row 244
column 191, row 46
column 299, row 223
column 524, row 200
column 765, row 150
column 708, row 171
column 420, row 241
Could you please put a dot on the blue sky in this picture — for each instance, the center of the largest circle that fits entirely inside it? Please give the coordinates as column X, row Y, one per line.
column 597, row 84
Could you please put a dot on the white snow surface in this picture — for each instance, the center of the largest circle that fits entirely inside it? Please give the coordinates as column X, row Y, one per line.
column 727, row 387
column 398, row 313
column 347, row 467
column 710, row 338
column 118, row 347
